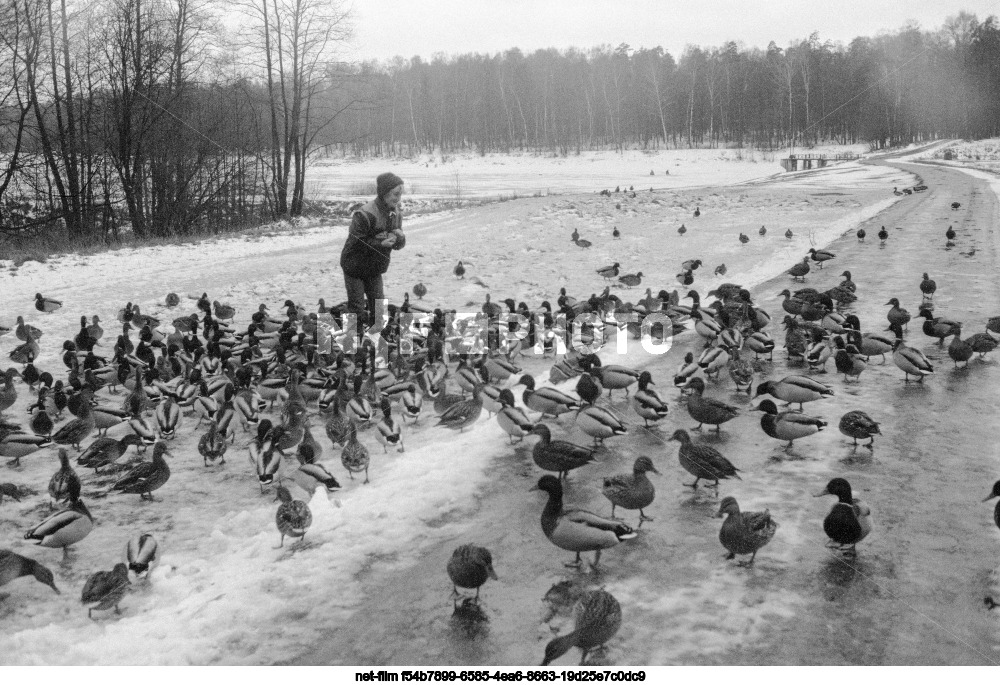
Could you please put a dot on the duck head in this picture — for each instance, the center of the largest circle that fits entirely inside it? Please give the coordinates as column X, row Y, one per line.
column 766, row 406
column 549, row 484
column 695, row 386
column 681, row 436
column 728, row 505
column 527, row 380
column 894, row 302
column 995, row 492
column 644, row 465
column 765, row 388
column 838, row 487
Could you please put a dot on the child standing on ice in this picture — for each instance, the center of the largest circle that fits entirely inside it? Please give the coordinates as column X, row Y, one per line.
column 376, row 230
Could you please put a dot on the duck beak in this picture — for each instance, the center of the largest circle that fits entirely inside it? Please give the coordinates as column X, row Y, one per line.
column 754, row 408
column 822, row 492
column 533, row 488
column 718, row 514
column 989, row 498
column 492, row 573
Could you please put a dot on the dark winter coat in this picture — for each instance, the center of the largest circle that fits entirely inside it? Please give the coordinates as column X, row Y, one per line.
column 363, row 255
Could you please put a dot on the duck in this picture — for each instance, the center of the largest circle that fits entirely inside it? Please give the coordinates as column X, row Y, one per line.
column 632, row 490
column 420, row 290
column 576, row 530
column 40, row 423
column 512, row 419
column 64, row 528
column 789, row 234
column 631, row 280
column 212, row 445
column 26, row 332
column 388, row 430
column 705, row 409
column 293, row 517
column 720, row 270
column 646, row 402
column 310, row 476
column 611, row 377
column 819, row 351
column 883, row 235
column 17, row 445
column 146, row 476
column 760, row 343
column 8, row 393
column 938, row 327
column 820, row 256
column 697, row 212
column 64, row 486
column 597, row 618
column 849, row 521
column 897, row 314
column 704, row 462
column 861, row 235
column 548, row 401
column 264, row 454
column 459, row 270
column 787, row 425
column 744, row 532
column 615, row 233
column 799, row 271
column 928, row 287
column 959, row 350
column 795, row 390
column 682, row 230
column 848, row 360
column 105, row 589
column 995, row 492
column 982, row 343
column 46, row 304
column 740, row 370
column 744, row 239
column 461, row 415
column 609, row 272
column 26, row 353
column 558, row 455
column 910, row 360
column 355, row 457
column 168, row 416
column 140, row 554
column 77, row 430
column 857, row 424
column 470, row 567
column 949, row 234
column 14, row 566
column 599, row 423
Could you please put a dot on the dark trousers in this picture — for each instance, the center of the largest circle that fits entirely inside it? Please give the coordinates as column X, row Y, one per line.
column 360, row 289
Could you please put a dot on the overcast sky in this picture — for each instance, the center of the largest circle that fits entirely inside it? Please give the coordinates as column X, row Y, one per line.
column 386, row 28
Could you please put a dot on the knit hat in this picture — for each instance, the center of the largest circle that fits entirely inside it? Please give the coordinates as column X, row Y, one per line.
column 386, row 182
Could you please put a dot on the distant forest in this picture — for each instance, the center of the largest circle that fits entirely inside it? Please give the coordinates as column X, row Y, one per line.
column 159, row 118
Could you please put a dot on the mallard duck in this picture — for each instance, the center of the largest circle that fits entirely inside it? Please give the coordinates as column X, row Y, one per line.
column 703, row 461
column 847, row 283
column 512, row 420
column 311, row 476
column 686, row 370
column 740, row 370
column 789, row 234
column 46, row 304
column 469, row 567
column 950, row 233
column 355, row 457
column 609, row 272
column 897, row 314
column 40, row 423
column 558, row 455
column 599, row 423
column 819, row 351
column 631, row 280
column 500, row 368
column 705, row 409
column 848, row 522
column 795, row 389
column 937, row 327
column 857, row 424
column 26, row 332
column 848, row 360
column 613, row 376
column 799, row 271
column 63, row 528
column 646, row 402
column 13, row 566
column 548, row 401
column 911, row 360
column 16, row 445
column 64, row 486
column 928, row 287
column 388, row 430
column 597, row 617
column 787, row 425
column 147, row 476
column 993, row 493
column 77, row 430
column 168, row 416
column 337, row 424
column 462, row 414
column 8, row 393
column 760, row 343
column 105, row 589
column 25, row 353
column 820, row 256
column 982, row 343
column 140, row 554
column 420, row 290
column 632, row 490
column 861, row 235
column 144, row 428
column 459, row 270
column 744, row 532
column 264, row 455
column 212, row 445
column 308, row 441
column 293, row 517
column 576, row 530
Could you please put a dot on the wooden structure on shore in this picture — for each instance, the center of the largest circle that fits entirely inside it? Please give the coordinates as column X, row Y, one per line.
column 808, row 161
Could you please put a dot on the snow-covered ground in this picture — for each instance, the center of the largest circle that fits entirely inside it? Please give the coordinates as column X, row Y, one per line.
column 222, row 593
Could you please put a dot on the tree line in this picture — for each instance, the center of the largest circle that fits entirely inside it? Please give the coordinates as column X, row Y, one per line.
column 168, row 117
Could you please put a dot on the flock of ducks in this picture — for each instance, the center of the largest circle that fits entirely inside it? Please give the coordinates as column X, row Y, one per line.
column 229, row 376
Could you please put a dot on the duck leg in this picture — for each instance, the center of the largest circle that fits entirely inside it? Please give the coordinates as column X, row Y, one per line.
column 597, row 560
column 694, row 484
column 642, row 517
column 574, row 564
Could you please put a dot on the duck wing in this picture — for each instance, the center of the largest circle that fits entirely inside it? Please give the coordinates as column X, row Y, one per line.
column 599, row 523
